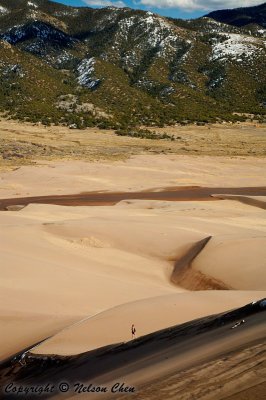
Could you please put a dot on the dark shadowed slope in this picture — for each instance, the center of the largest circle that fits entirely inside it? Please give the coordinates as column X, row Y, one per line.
column 147, row 358
column 241, row 16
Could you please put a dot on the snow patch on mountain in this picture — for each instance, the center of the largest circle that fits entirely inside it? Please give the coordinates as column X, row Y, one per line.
column 261, row 33
column 211, row 25
column 149, row 32
column 74, row 12
column 4, row 11
column 62, row 59
column 150, row 26
column 236, row 47
column 85, row 73
column 31, row 4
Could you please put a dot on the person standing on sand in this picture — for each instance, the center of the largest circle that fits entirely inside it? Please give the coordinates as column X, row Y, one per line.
column 133, row 331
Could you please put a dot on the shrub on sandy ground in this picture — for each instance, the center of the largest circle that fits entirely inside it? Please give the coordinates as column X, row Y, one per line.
column 144, row 134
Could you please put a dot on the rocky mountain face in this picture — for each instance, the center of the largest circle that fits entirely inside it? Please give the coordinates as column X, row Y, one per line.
column 120, row 67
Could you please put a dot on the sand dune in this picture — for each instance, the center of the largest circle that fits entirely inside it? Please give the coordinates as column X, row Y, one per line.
column 95, row 258
column 206, row 344
column 149, row 315
column 222, row 254
column 20, row 330
column 76, row 278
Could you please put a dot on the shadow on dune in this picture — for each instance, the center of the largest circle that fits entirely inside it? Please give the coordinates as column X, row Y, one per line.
column 115, row 361
column 183, row 275
column 242, row 199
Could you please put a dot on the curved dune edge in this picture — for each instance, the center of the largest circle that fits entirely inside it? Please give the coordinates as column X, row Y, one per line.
column 184, row 275
column 154, row 356
column 251, row 201
column 148, row 315
column 238, row 261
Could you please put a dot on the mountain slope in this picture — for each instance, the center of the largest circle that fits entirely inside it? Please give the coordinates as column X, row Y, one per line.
column 119, row 67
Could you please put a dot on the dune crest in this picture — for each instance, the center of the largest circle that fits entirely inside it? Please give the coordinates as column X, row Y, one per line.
column 148, row 315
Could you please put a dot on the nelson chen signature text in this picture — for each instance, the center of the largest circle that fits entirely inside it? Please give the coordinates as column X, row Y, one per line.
column 116, row 388
column 64, row 387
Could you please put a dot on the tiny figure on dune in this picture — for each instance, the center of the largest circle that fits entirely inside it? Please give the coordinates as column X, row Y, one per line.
column 133, row 331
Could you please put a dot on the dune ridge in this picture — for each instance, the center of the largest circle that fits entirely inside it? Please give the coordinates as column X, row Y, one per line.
column 149, row 315
column 158, row 354
column 184, row 275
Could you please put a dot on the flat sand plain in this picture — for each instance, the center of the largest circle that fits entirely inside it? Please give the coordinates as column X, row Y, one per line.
column 80, row 276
